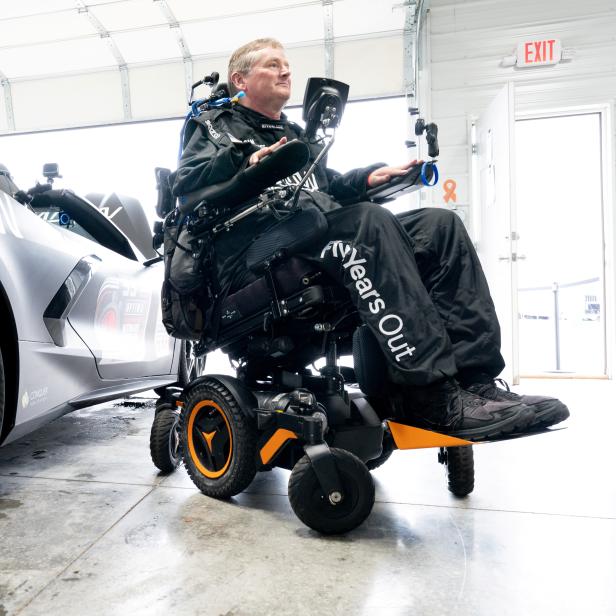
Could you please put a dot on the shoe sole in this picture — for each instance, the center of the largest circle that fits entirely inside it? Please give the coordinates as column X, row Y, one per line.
column 519, row 422
column 549, row 417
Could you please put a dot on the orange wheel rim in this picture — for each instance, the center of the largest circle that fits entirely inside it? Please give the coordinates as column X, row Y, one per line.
column 210, row 440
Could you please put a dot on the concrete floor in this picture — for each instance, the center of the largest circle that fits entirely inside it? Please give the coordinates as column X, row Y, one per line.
column 88, row 526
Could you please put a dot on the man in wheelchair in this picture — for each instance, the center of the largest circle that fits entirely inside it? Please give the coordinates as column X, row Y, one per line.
column 414, row 280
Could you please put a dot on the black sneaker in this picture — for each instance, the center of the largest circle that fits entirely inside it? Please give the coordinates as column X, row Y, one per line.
column 547, row 411
column 445, row 407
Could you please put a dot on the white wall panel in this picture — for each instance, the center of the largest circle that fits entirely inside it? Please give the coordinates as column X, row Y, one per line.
column 464, row 16
column 3, row 117
column 468, row 40
column 52, row 42
column 31, row 7
column 158, row 91
column 453, row 161
column 223, row 35
column 84, row 54
column 147, row 45
column 499, row 41
column 191, row 9
column 452, row 132
column 305, row 62
column 67, row 101
column 589, row 90
column 353, row 17
column 138, row 13
column 205, row 65
column 462, row 73
column 39, row 28
column 372, row 67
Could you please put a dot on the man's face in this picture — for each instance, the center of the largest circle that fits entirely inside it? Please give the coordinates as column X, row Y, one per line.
column 269, row 79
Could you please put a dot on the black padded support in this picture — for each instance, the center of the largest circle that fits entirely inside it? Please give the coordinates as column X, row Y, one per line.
column 370, row 365
column 290, row 236
column 166, row 200
column 249, row 183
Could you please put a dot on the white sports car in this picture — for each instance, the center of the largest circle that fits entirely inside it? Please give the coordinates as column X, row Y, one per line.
column 80, row 319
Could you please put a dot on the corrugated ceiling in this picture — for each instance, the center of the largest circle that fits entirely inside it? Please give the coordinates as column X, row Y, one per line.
column 45, row 40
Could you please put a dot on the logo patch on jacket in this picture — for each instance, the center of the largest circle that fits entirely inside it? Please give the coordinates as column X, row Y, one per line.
column 273, row 126
column 293, row 180
column 215, row 134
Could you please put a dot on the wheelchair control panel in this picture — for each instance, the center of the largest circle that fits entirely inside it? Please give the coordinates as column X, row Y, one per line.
column 419, row 175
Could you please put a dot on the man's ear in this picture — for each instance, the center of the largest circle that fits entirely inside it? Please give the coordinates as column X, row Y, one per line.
column 238, row 81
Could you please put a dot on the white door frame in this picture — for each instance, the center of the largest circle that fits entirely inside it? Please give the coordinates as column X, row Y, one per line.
column 608, row 163
column 503, row 283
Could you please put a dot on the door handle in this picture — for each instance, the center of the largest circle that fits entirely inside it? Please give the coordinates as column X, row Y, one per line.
column 514, row 257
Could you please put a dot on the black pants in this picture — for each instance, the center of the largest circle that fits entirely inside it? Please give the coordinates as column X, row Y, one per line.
column 418, row 284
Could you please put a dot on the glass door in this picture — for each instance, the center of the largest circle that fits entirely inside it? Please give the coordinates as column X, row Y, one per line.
column 561, row 306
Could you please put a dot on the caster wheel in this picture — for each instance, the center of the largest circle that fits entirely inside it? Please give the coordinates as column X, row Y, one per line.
column 313, row 507
column 218, row 441
column 388, row 449
column 460, row 466
column 164, row 439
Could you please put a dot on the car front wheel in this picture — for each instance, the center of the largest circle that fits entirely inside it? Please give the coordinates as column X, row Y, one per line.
column 1, row 390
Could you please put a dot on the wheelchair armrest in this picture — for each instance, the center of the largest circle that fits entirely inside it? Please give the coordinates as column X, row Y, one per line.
column 250, row 182
column 402, row 184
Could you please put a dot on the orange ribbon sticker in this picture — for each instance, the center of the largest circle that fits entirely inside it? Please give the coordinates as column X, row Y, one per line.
column 450, row 191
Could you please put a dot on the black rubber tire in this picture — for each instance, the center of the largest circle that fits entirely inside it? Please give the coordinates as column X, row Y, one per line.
column 460, row 465
column 164, row 439
column 372, row 464
column 313, row 508
column 1, row 391
column 213, row 404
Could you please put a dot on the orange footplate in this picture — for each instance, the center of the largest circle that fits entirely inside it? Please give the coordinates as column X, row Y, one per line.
column 408, row 437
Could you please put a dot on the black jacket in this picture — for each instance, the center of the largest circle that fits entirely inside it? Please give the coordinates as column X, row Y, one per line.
column 218, row 144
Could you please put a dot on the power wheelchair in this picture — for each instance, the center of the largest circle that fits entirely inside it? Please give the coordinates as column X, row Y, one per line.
column 330, row 426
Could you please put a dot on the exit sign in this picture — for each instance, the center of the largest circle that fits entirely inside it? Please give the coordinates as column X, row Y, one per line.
column 539, row 53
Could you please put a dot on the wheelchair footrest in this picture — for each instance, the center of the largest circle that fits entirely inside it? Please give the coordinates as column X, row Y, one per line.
column 409, row 437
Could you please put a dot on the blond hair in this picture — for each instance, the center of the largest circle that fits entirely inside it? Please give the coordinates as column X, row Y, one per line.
column 243, row 58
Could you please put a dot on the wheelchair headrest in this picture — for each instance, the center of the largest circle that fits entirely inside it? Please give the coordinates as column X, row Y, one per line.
column 252, row 181
column 222, row 91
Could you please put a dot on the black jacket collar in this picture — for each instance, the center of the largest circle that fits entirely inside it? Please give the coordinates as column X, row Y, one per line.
column 261, row 122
